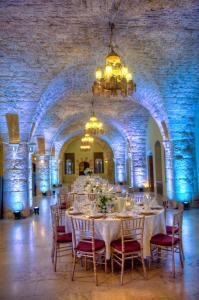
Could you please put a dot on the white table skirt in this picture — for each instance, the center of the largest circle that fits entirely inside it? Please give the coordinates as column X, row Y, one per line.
column 109, row 229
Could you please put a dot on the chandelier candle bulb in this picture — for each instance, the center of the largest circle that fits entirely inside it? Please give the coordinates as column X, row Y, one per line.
column 98, row 74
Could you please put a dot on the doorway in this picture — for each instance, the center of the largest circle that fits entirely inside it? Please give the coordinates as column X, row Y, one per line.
column 158, row 168
column 150, row 173
column 82, row 166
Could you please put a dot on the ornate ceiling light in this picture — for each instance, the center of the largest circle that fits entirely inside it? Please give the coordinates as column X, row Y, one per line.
column 114, row 79
column 94, row 126
column 87, row 140
column 85, row 147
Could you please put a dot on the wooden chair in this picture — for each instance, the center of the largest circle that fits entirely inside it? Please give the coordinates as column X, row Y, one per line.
column 85, row 245
column 164, row 243
column 130, row 245
column 62, row 242
column 169, row 228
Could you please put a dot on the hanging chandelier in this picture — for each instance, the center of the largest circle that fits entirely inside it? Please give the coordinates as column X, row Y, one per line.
column 94, row 126
column 87, row 140
column 85, row 147
column 114, row 79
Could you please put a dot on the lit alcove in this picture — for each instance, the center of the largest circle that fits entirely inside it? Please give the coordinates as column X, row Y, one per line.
column 155, row 159
column 74, row 161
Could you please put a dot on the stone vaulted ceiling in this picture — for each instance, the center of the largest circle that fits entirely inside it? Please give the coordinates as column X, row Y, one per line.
column 49, row 51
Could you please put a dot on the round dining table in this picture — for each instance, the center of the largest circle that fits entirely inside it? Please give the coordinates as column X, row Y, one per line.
column 107, row 228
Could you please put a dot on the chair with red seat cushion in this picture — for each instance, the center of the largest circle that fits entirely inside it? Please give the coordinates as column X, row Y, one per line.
column 169, row 243
column 130, row 245
column 62, row 242
column 61, row 229
column 162, row 239
column 85, row 244
column 169, row 229
column 64, row 238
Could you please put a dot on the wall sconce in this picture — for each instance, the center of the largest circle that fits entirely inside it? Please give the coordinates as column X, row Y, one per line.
column 14, row 147
column 31, row 147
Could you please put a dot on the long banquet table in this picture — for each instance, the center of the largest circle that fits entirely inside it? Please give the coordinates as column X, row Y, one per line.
column 108, row 228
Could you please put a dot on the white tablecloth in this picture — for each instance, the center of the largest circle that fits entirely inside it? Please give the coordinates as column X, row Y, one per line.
column 109, row 229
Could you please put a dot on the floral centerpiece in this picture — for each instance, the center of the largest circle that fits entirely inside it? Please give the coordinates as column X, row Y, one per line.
column 88, row 171
column 105, row 202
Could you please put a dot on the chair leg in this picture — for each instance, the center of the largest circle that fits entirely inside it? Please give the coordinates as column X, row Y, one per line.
column 132, row 263
column 122, row 269
column 181, row 255
column 112, row 264
column 55, row 258
column 105, row 262
column 85, row 261
column 173, row 262
column 144, row 267
column 52, row 252
column 74, row 263
column 95, row 270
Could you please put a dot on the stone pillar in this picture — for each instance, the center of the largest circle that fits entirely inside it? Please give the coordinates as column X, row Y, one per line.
column 139, row 166
column 130, row 169
column 15, row 187
column 169, row 169
column 120, row 170
column 184, row 169
column 43, row 174
column 54, row 171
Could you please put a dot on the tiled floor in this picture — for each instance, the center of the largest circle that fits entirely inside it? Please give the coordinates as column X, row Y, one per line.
column 26, row 271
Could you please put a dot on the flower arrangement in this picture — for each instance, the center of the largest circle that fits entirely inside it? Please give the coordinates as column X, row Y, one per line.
column 88, row 171
column 104, row 202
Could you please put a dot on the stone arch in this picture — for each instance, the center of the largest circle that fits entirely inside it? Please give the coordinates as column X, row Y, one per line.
column 65, row 84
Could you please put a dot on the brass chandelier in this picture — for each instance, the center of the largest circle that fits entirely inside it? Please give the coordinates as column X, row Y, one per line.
column 85, row 147
column 87, row 140
column 114, row 79
column 94, row 126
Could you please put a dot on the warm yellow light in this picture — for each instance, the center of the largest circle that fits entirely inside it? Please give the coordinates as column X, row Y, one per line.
column 93, row 126
column 87, row 139
column 146, row 184
column 85, row 147
column 124, row 70
column 108, row 70
column 129, row 77
column 98, row 74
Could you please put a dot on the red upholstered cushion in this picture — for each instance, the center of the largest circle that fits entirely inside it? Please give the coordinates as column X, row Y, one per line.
column 62, row 206
column 163, row 240
column 61, row 229
column 64, row 238
column 87, row 247
column 169, row 229
column 131, row 246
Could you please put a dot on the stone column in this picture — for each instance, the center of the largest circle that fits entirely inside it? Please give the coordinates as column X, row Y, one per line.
column 169, row 169
column 43, row 174
column 184, row 169
column 54, row 171
column 139, row 166
column 130, row 169
column 120, row 170
column 15, row 187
